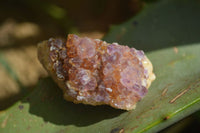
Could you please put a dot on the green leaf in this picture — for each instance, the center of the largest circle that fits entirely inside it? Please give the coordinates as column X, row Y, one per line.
column 174, row 95
column 166, row 23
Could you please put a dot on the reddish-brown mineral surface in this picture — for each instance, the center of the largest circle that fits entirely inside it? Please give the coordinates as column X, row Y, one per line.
column 94, row 72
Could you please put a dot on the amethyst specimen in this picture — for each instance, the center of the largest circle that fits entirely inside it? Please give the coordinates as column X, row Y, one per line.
column 94, row 72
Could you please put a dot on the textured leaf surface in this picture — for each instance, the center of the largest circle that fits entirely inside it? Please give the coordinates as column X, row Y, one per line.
column 173, row 95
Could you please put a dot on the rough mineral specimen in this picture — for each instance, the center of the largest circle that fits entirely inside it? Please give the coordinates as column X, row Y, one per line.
column 94, row 72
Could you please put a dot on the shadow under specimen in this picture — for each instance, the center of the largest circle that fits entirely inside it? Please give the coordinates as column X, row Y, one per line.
column 47, row 102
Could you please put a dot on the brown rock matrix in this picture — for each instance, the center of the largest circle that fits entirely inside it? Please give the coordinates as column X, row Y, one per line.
column 94, row 72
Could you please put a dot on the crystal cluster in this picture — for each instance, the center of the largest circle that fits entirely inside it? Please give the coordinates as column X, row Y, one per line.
column 94, row 72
